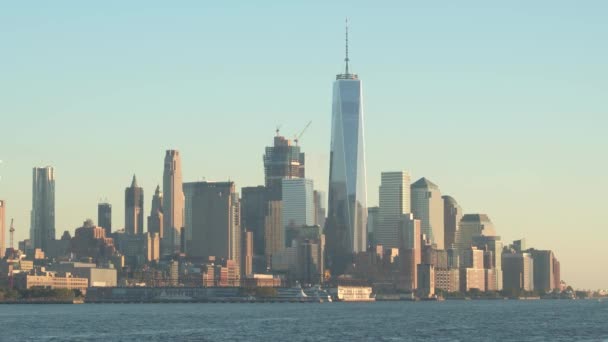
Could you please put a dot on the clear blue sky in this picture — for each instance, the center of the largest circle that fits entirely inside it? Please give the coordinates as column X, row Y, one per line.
column 502, row 105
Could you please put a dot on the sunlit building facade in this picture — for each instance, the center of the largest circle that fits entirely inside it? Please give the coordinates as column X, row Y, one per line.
column 347, row 210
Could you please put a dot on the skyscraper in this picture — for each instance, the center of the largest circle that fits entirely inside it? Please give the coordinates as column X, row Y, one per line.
column 452, row 213
column 427, row 206
column 282, row 160
column 254, row 208
column 216, row 229
column 347, row 211
column 394, row 202
column 173, row 204
column 473, row 225
column 104, row 217
column 42, row 229
column 155, row 220
column 2, row 228
column 320, row 211
column 134, row 208
column 298, row 203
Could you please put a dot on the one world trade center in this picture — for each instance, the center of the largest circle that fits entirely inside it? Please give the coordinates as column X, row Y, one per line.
column 345, row 228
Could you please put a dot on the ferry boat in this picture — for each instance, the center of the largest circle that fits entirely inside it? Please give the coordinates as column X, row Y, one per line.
column 318, row 293
column 298, row 295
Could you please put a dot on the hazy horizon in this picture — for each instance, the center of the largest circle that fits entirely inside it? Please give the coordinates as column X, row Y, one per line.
column 503, row 106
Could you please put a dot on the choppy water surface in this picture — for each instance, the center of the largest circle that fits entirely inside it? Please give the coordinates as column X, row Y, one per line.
column 582, row 320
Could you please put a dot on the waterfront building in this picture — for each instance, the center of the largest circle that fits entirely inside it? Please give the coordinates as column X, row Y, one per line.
column 346, row 223
column 97, row 276
column 472, row 272
column 173, row 204
column 134, row 208
column 298, row 203
column 427, row 206
column 42, row 229
column 452, row 214
column 156, row 220
column 50, row 280
column 104, row 217
column 518, row 271
column 310, row 260
column 256, row 280
column 394, row 202
column 410, row 249
column 492, row 247
column 354, row 293
column 254, row 209
column 447, row 279
column 426, row 281
column 216, row 228
column 247, row 253
column 544, row 270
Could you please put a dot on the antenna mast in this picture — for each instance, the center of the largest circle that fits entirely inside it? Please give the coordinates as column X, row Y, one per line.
column 346, row 60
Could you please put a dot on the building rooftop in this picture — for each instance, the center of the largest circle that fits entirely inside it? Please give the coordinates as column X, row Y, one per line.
column 424, row 183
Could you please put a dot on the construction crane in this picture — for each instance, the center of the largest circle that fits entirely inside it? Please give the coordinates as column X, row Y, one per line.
column 297, row 137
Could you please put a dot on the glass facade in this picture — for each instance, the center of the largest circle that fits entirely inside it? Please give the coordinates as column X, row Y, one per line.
column 347, row 211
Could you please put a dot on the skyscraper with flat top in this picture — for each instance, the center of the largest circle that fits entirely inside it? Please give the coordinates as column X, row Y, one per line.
column 134, row 209
column 347, row 210
column 173, row 204
column 216, row 228
column 394, row 202
column 42, row 229
column 104, row 217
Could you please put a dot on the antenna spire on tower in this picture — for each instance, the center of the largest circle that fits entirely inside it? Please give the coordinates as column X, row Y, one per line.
column 346, row 60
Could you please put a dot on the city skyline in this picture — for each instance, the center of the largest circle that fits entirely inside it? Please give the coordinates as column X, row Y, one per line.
column 497, row 189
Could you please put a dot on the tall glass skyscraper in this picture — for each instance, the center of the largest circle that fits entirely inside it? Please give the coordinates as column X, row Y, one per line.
column 42, row 229
column 345, row 227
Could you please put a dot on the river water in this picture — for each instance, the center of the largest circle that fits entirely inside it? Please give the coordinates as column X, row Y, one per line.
column 546, row 320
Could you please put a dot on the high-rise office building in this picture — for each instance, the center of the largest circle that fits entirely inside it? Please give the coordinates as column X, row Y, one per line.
column 347, row 210
column 134, row 208
column 283, row 160
column 254, row 208
column 216, row 229
column 452, row 214
column 2, row 228
column 298, row 203
column 427, row 206
column 544, row 270
column 518, row 271
column 42, row 229
column 274, row 232
column 173, row 204
column 472, row 225
column 492, row 248
column 373, row 221
column 394, row 202
column 104, row 217
column 155, row 220
column 247, row 253
column 320, row 211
